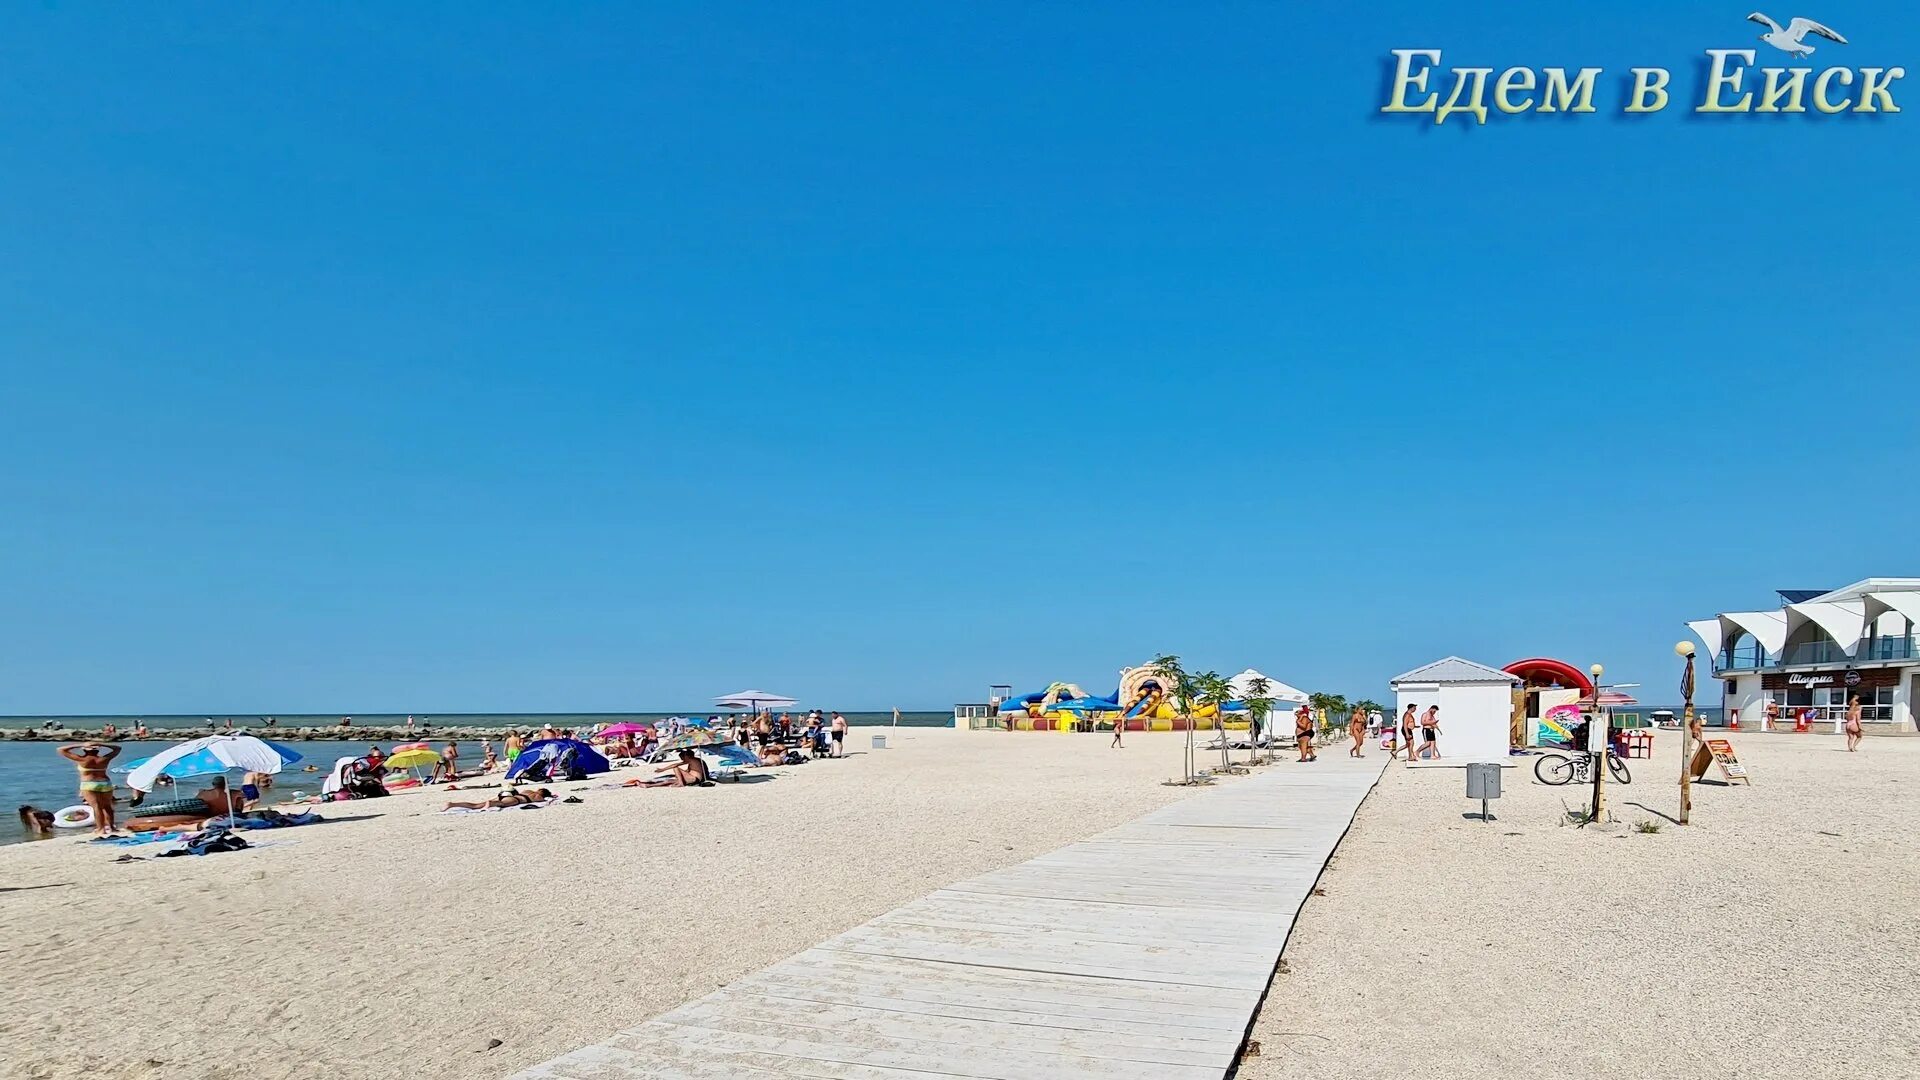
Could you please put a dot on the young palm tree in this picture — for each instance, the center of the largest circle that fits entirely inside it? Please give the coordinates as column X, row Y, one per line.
column 1259, row 707
column 1178, row 685
column 1212, row 688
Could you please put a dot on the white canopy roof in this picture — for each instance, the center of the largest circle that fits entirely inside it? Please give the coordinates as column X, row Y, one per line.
column 1844, row 620
column 1905, row 603
column 1276, row 690
column 755, row 700
column 1769, row 628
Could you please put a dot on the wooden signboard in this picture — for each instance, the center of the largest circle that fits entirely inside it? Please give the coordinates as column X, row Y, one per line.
column 1720, row 752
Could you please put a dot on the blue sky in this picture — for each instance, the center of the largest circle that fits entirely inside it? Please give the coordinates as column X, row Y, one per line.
column 443, row 357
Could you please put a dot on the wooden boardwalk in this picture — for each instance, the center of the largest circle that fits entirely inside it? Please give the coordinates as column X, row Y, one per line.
column 1139, row 954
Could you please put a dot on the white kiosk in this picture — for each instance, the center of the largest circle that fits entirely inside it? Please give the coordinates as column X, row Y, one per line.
column 1476, row 708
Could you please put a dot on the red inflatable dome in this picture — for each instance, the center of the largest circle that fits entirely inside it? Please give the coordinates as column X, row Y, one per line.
column 1545, row 670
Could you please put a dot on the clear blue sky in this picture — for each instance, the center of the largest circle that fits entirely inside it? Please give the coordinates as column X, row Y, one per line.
column 439, row 357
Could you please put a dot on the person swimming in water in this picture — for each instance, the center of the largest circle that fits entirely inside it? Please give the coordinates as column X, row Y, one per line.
column 95, row 789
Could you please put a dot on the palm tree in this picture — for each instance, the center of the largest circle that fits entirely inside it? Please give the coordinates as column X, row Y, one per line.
column 1179, row 687
column 1259, row 707
column 1211, row 687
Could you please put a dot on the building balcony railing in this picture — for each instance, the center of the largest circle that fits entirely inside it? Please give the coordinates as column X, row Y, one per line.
column 1874, row 650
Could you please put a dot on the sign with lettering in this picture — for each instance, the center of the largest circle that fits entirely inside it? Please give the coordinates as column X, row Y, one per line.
column 1742, row 82
column 1719, row 752
column 1863, row 678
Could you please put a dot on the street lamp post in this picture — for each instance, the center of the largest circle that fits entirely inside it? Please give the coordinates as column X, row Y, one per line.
column 1685, row 650
column 1600, row 759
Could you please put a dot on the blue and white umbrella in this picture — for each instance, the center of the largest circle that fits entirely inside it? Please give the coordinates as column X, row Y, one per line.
column 210, row 755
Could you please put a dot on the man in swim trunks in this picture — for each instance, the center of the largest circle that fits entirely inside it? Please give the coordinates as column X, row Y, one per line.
column 689, row 771
column 1405, row 743
column 95, row 789
column 838, row 733
column 1303, row 732
column 1430, row 733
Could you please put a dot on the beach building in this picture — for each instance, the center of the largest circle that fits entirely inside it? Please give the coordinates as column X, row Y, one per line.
column 1476, row 706
column 1816, row 650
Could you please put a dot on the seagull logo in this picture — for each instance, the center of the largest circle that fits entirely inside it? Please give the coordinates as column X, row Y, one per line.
column 1791, row 40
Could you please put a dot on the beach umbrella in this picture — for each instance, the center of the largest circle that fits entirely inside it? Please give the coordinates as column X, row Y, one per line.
column 690, row 738
column 625, row 727
column 209, row 755
column 407, row 759
column 755, row 700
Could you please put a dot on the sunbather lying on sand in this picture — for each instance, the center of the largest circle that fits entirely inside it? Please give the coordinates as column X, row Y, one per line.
column 505, row 800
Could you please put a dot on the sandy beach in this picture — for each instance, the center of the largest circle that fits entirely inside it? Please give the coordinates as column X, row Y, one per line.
column 395, row 940
column 1774, row 937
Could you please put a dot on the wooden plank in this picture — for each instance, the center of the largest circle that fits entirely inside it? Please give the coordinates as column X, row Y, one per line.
column 1139, row 954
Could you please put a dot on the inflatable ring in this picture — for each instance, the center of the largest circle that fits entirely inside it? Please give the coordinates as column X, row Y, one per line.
column 173, row 808
column 77, row 816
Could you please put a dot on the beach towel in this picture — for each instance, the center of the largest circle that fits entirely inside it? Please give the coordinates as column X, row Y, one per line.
column 137, row 839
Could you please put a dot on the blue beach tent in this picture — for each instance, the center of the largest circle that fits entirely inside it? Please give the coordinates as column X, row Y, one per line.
column 584, row 756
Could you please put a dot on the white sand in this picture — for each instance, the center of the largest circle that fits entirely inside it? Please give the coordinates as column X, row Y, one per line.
column 397, row 944
column 1751, row 943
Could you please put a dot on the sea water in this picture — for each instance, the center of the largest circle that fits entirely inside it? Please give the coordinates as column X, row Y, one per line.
column 34, row 773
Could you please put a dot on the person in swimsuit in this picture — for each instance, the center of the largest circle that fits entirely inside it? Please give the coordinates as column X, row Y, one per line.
column 838, row 732
column 506, row 800
column 37, row 821
column 1303, row 733
column 1357, row 727
column 513, row 744
column 1430, row 733
column 1853, row 724
column 689, row 771
column 95, row 789
column 450, row 762
column 1771, row 718
column 1405, row 742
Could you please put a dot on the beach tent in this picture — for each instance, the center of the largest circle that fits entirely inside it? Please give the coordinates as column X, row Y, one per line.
column 584, row 756
column 1476, row 707
column 754, row 701
column 1277, row 691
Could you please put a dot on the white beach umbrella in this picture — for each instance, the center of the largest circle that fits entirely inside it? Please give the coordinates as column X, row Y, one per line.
column 234, row 751
column 755, row 700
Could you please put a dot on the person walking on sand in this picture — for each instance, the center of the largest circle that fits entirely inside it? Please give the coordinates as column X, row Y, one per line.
column 1357, row 727
column 1770, row 719
column 838, row 733
column 512, row 745
column 1119, row 725
column 95, row 789
column 1303, row 733
column 1430, row 733
column 1853, row 724
column 1407, row 723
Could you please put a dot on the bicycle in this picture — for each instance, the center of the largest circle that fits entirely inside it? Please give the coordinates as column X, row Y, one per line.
column 1556, row 769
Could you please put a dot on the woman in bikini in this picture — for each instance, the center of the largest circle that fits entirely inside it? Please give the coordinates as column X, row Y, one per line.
column 1357, row 727
column 95, row 789
column 506, row 800
column 1853, row 724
